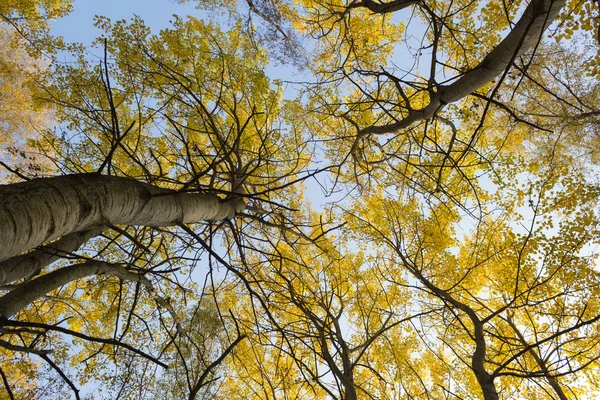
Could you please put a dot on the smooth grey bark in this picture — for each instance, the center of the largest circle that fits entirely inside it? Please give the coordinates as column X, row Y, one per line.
column 41, row 210
column 524, row 36
column 24, row 294
column 32, row 263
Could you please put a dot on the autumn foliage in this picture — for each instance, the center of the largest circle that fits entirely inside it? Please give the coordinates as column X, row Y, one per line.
column 412, row 215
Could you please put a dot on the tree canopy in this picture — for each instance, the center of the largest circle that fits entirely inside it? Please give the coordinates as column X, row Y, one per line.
column 411, row 214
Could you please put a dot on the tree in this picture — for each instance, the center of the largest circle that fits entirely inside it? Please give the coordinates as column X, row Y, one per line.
column 190, row 137
column 434, row 166
column 458, row 266
column 198, row 357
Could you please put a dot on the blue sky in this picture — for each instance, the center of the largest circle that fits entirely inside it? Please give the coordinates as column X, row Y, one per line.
column 77, row 26
column 157, row 14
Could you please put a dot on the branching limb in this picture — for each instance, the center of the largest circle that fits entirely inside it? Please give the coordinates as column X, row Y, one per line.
column 524, row 36
column 80, row 335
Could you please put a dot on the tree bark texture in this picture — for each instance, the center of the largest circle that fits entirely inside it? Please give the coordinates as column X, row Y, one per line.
column 14, row 301
column 41, row 210
column 32, row 263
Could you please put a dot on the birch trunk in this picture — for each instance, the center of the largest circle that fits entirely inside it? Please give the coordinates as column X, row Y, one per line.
column 32, row 263
column 41, row 210
column 13, row 302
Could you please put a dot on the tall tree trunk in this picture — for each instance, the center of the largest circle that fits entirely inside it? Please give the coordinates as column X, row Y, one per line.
column 33, row 262
column 13, row 302
column 41, row 210
column 350, row 391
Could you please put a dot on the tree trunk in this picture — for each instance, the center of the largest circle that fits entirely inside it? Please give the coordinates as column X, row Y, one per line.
column 485, row 380
column 524, row 36
column 41, row 210
column 13, row 302
column 350, row 392
column 32, row 263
